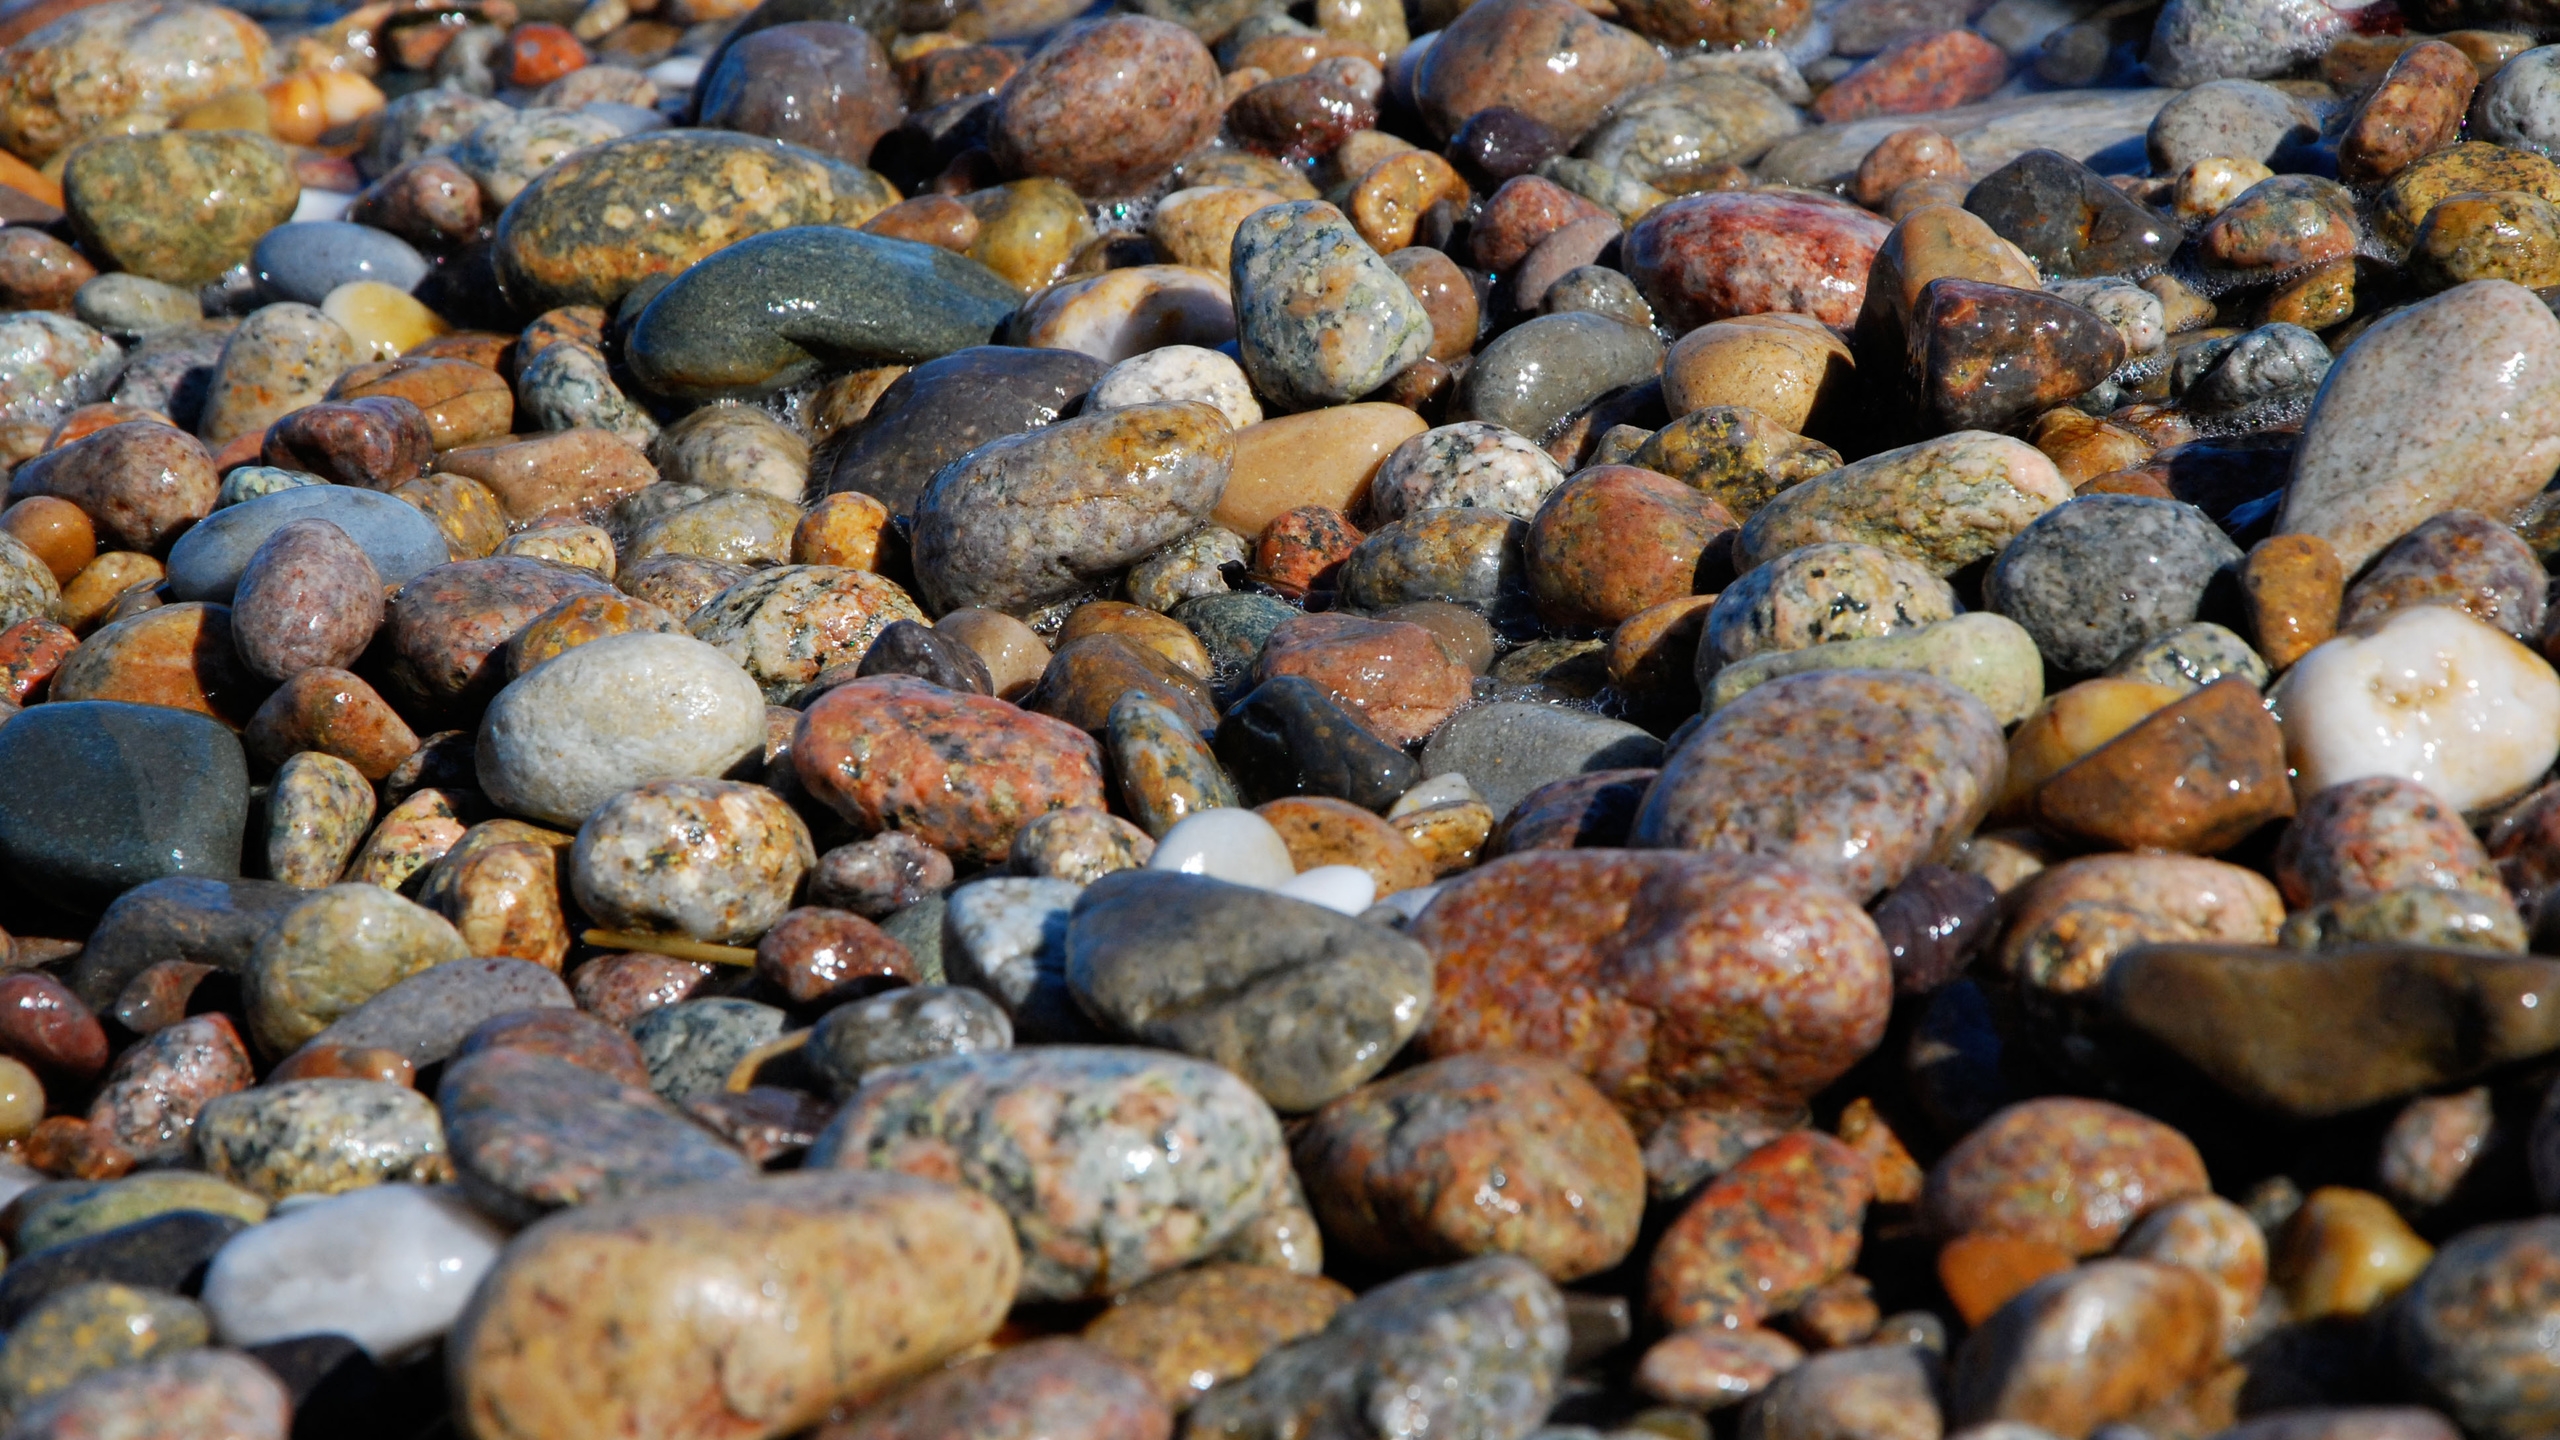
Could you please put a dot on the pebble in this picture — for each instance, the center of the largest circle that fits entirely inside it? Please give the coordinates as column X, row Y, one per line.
column 713, row 860
column 1979, row 490
column 2387, row 690
column 400, row 1262
column 674, row 706
column 1306, row 346
column 321, row 1137
column 962, row 773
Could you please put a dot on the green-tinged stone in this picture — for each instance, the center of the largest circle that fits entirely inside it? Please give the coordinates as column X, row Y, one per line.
column 1987, row 654
column 1945, row 502
column 1320, row 318
column 78, row 1212
column 2413, row 915
column 1736, row 455
column 180, row 206
column 91, row 1328
column 1165, row 772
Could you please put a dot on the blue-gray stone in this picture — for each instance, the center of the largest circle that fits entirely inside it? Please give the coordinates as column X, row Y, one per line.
column 780, row 306
column 104, row 796
column 1512, row 747
column 1303, row 353
column 691, row 1047
column 397, row 537
column 309, row 258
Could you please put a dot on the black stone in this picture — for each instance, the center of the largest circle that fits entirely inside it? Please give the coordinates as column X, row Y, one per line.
column 1932, row 923
column 530, row 1133
column 1288, row 737
column 1498, row 143
column 336, row 1386
column 907, row 647
column 2069, row 220
column 880, row 17
column 104, row 796
column 942, row 410
column 166, row 1252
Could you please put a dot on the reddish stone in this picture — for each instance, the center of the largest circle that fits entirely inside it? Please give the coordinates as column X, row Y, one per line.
column 1526, row 210
column 1760, row 1239
column 619, row 989
column 30, row 652
column 1307, row 115
column 1708, row 257
column 2415, row 111
column 446, row 622
column 540, row 52
column 1672, row 980
column 2385, row 833
column 158, row 997
column 1396, row 1171
column 1617, row 539
column 819, row 956
column 379, row 442
column 956, row 73
column 963, row 772
column 1059, row 1389
column 1548, row 59
column 335, row 712
column 580, row 1038
column 1304, row 548
column 2196, row 776
column 45, row 1025
column 157, row 1088
column 2071, row 1173
column 1981, row 1273
column 1917, row 74
column 77, row 1148
column 345, row 1062
column 1108, row 107
column 463, row 402
column 180, row 656
column 1915, row 153
column 1391, row 675
column 767, row 1122
column 141, row 482
column 564, row 474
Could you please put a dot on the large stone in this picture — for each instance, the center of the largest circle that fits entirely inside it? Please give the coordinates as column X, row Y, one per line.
column 206, row 561
column 1320, row 317
column 96, row 65
column 612, row 714
column 105, row 796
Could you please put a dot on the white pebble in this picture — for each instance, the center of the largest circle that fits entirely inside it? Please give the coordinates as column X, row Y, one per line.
column 1226, row 844
column 1346, row 888
column 679, row 73
column 388, row 1266
column 1177, row 372
column 2427, row 694
column 1446, row 789
column 322, row 205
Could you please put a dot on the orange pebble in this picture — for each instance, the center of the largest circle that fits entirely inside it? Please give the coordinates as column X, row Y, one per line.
column 541, row 52
column 843, row 529
column 57, row 530
column 240, row 450
column 90, row 419
column 345, row 1062
column 1981, row 1273
column 26, row 179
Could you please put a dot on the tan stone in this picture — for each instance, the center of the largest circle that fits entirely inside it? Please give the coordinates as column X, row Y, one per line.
column 1788, row 367
column 1324, row 457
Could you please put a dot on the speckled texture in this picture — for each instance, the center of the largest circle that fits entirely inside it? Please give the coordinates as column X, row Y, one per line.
column 322, row 1137
column 1162, row 771
column 1302, row 1003
column 2067, row 1172
column 714, row 860
column 1706, row 257
column 332, row 952
column 309, row 597
column 1762, row 1236
column 692, row 1046
column 918, row 1022
column 961, row 772
column 1616, row 540
column 2377, row 834
column 611, row 714
column 592, row 1317
column 2459, row 558
column 2098, row 1343
column 1670, row 980
column 1473, row 462
column 1463, row 556
column 1945, row 502
column 51, row 364
column 530, row 1131
column 1410, row 1168
column 90, row 1330
column 2092, row 578
column 1049, row 1135
column 1817, row 595
column 1763, row 776
column 156, row 1090
column 1547, row 59
column 1476, row 1349
column 1390, row 675
column 1061, row 1389
column 1320, row 317
column 1034, row 518
column 91, row 67
column 2470, row 1329
column 210, row 1393
column 140, row 482
column 788, row 623
column 1108, row 107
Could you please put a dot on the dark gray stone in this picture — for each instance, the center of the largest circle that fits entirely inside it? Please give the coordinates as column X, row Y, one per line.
column 942, row 410
column 105, row 796
column 2096, row 576
column 530, row 1133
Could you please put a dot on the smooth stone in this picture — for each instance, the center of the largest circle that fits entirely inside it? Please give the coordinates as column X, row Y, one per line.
column 130, row 306
column 1819, row 595
column 321, row 1136
column 822, row 85
column 961, row 772
column 1708, row 257
column 306, row 260
column 711, row 334
column 208, row 560
column 84, row 1210
column 734, row 447
column 2239, row 118
column 508, row 151
column 282, row 357
column 1469, row 463
column 1540, row 58
column 140, row 482
column 1006, row 938
column 1215, row 1155
column 426, row 1017
column 2355, row 1031
column 2095, row 577
column 2467, row 1330
column 1305, row 1005
column 2085, row 124
column 1976, row 491
column 1474, row 1348
column 921, row 1022
column 945, row 408
column 2090, row 1345
column 1107, row 108
column 309, row 598
column 2069, row 220
column 1463, row 555
column 786, row 625
column 1179, row 372
column 1079, row 1391
column 531, row 1132
column 862, row 1279
column 391, row 1267
column 612, row 714
column 1989, row 655
column 691, row 1047
column 180, row 206
column 54, row 364
column 1342, row 889
column 2436, row 407
column 1196, row 1328
column 1288, row 737
column 712, row 860
column 1510, row 748
column 91, row 1330
column 334, row 950
column 1533, row 379
column 107, row 796
column 2378, row 699
column 1304, row 353
column 1018, row 522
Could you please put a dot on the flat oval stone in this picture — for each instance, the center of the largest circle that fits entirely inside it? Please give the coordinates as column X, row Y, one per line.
column 142, row 483
column 207, row 561
column 1107, row 107
column 321, row 1137
column 180, row 656
column 945, row 408
column 106, row 796
column 1516, row 55
column 427, row 1017
column 816, row 84
column 1216, row 1157
column 2090, row 1345
column 1303, row 1003
column 2067, row 1172
column 1038, row 517
column 612, row 714
column 1536, row 377
column 584, row 1322
column 1510, row 748
column 712, row 334
column 1926, row 774
column 920, row 1022
column 404, row 1260
column 2093, row 578
column 531, row 1132
column 306, row 260
column 1288, row 736
column 1509, row 933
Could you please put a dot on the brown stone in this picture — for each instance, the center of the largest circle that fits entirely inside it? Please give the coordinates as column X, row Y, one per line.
column 1195, row 1328
column 474, row 525
column 2293, row 586
column 2070, row 1173
column 2197, row 776
column 961, row 772
column 2415, row 111
column 57, row 531
column 1323, row 457
column 572, row 473
column 1981, row 1273
column 336, row 713
column 2099, row 1343
column 1394, row 677
column 176, row 655
column 1322, row 831
column 141, row 483
column 1763, row 1236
